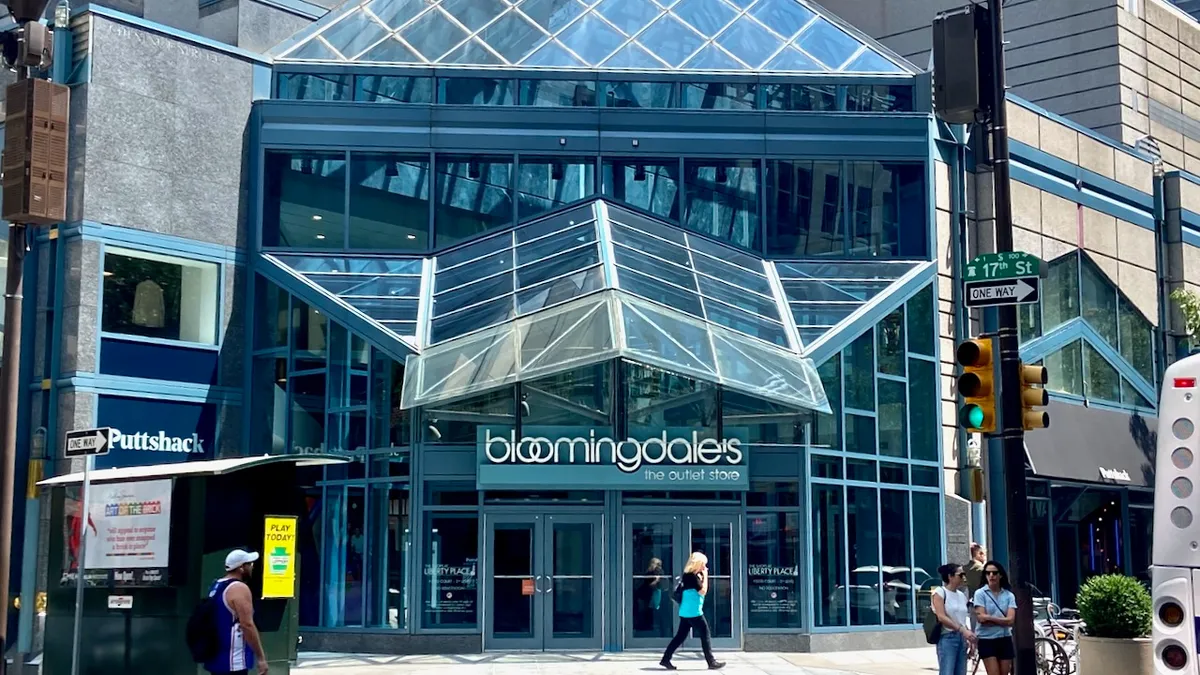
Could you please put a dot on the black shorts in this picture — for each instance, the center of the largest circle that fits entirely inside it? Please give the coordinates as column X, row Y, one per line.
column 997, row 648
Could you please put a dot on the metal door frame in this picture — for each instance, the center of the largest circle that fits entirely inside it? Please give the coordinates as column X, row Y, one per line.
column 490, row 641
column 546, row 587
column 736, row 586
column 655, row 516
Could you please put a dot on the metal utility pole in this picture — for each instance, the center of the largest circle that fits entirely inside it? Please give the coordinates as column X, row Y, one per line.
column 1012, row 433
column 10, row 363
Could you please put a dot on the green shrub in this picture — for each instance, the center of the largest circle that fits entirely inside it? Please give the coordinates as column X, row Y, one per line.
column 1115, row 606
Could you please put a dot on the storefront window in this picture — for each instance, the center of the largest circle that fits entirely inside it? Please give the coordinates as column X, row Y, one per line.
column 387, row 592
column 310, row 336
column 459, row 421
column 391, row 425
column 862, row 523
column 657, row 400
column 893, row 431
column 1039, row 544
column 389, row 202
column 308, row 413
column 305, row 200
column 829, row 555
column 474, row 195
column 804, row 208
column 449, row 582
column 897, row 562
column 160, row 296
column 544, row 184
column 722, row 200
column 649, row 184
column 268, row 434
column 578, row 399
column 927, row 547
column 773, row 558
column 757, row 421
column 781, row 494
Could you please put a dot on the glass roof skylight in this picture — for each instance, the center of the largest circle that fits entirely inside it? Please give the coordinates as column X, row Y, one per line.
column 659, row 35
column 823, row 294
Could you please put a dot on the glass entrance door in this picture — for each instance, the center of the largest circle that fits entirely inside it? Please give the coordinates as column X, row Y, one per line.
column 543, row 587
column 657, row 548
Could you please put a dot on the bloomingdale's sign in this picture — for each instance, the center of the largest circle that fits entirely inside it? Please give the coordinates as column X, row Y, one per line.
column 557, row 456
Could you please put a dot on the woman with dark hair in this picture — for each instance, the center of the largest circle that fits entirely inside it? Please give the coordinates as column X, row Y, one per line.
column 950, row 606
column 996, row 611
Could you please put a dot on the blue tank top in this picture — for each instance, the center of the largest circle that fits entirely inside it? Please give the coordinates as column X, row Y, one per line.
column 692, row 603
column 233, row 654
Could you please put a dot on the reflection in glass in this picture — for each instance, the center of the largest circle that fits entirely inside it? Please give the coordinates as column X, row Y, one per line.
column 652, row 185
column 1060, row 303
column 558, row 93
column 722, row 200
column 804, row 208
column 860, row 434
column 571, row 579
column 921, row 313
column 889, row 335
column 923, row 401
column 313, row 87
column 1039, row 544
column 826, row 429
column 657, row 400
column 897, row 570
column 333, row 536
column 389, row 558
column 893, row 422
column 1137, row 339
column 271, row 310
column 546, row 183
column 1029, row 320
column 829, row 555
column 269, row 405
column 393, row 89
column 887, row 206
column 458, row 421
column 1102, row 381
column 389, row 202
column 1065, row 369
column 304, row 200
column 1099, row 301
column 927, row 548
column 579, row 398
column 879, row 98
column 640, row 95
column 860, row 372
column 719, row 96
column 356, row 550
column 475, row 91
column 773, row 561
column 309, row 335
column 512, row 607
column 716, row 541
column 755, row 420
column 449, row 585
column 474, row 195
column 862, row 526
column 652, row 562
column 391, row 425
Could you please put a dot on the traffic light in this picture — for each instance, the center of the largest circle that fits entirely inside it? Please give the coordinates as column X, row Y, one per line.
column 975, row 385
column 1033, row 395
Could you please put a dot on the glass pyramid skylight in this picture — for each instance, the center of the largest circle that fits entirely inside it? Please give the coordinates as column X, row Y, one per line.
column 660, row 35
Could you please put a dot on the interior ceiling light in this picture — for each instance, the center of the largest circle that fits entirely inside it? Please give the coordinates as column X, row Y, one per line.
column 320, row 236
column 316, row 217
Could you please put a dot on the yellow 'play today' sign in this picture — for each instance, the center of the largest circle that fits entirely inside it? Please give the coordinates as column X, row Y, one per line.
column 279, row 557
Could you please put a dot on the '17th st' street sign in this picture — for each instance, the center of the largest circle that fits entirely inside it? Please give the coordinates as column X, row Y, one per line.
column 84, row 442
column 1010, row 278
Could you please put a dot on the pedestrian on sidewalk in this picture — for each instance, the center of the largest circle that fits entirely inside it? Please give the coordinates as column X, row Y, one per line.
column 240, row 649
column 694, row 586
column 996, row 611
column 974, row 569
column 950, row 606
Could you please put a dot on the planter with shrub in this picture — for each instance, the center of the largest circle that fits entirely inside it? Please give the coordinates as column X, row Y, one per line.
column 1116, row 610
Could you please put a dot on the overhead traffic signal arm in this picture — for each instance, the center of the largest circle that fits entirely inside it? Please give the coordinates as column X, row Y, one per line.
column 976, row 385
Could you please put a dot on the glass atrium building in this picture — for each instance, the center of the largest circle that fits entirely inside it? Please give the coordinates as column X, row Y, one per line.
column 582, row 287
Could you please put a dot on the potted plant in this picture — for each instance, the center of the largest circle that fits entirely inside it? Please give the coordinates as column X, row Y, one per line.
column 1116, row 611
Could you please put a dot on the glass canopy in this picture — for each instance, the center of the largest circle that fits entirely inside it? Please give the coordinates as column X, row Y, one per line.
column 593, row 282
column 662, row 35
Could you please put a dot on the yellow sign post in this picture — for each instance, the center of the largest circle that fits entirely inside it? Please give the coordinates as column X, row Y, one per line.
column 279, row 553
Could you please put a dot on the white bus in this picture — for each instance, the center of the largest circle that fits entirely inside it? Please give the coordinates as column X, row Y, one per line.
column 1175, row 571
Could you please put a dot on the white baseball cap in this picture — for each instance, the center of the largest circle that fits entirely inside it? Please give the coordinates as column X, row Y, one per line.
column 237, row 558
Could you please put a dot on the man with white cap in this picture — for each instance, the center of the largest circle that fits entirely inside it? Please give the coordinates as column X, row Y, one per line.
column 240, row 646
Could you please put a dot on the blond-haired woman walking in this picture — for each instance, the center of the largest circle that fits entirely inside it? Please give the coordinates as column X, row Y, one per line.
column 691, row 611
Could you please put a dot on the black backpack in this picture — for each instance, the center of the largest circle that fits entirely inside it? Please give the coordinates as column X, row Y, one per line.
column 931, row 624
column 202, row 638
column 677, row 594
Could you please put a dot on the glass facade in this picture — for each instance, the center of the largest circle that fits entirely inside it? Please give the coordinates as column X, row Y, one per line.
column 470, row 321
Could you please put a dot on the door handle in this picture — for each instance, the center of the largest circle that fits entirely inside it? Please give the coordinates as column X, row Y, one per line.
column 549, row 584
column 537, row 583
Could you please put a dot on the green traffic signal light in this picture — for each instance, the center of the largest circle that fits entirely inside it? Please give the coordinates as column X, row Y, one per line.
column 972, row 416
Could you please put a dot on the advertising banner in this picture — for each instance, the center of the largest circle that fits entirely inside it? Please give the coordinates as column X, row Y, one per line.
column 574, row 458
column 129, row 525
column 279, row 557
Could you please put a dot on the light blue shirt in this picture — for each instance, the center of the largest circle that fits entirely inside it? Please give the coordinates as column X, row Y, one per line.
column 997, row 606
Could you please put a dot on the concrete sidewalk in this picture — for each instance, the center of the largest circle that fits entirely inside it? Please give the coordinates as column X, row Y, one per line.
column 888, row 662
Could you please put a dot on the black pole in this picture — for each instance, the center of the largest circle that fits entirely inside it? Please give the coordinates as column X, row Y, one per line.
column 1012, row 434
column 10, row 361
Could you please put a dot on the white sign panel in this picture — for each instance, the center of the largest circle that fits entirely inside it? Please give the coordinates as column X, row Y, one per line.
column 129, row 525
column 120, row 602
